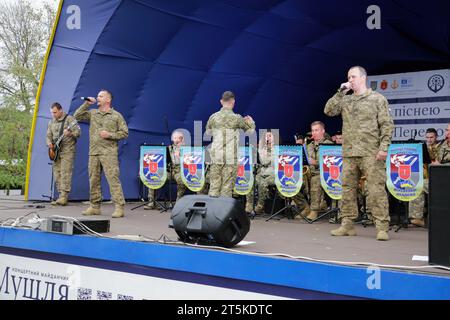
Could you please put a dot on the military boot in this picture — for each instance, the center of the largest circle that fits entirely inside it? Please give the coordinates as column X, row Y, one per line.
column 259, row 208
column 346, row 229
column 304, row 213
column 150, row 206
column 91, row 211
column 62, row 200
column 418, row 222
column 382, row 235
column 119, row 211
column 312, row 215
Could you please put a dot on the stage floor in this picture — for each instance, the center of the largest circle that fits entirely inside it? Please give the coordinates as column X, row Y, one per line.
column 286, row 237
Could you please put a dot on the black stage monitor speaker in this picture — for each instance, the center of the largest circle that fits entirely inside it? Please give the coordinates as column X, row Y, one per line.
column 439, row 215
column 203, row 219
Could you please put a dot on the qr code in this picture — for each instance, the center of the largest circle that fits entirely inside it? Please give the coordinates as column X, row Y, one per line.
column 84, row 294
column 124, row 297
column 102, row 295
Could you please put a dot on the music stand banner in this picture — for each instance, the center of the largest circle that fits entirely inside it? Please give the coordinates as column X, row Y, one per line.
column 152, row 166
column 192, row 160
column 330, row 164
column 288, row 165
column 404, row 171
column 244, row 178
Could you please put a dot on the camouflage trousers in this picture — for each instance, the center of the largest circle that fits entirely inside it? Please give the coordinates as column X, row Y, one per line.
column 262, row 185
column 174, row 175
column 62, row 171
column 375, row 172
column 205, row 188
column 417, row 206
column 110, row 166
column 316, row 193
column 300, row 201
column 223, row 178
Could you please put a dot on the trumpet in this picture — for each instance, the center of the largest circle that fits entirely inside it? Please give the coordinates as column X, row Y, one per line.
column 306, row 170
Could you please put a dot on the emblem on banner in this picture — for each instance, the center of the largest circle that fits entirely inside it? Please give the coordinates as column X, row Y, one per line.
column 193, row 165
column 405, row 171
column 436, row 82
column 374, row 85
column 288, row 169
column 383, row 85
column 244, row 177
column 330, row 164
column 152, row 168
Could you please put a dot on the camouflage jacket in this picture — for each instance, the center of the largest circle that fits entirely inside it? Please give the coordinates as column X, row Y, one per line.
column 444, row 153
column 175, row 158
column 111, row 121
column 313, row 152
column 367, row 125
column 266, row 160
column 67, row 143
column 224, row 126
column 433, row 150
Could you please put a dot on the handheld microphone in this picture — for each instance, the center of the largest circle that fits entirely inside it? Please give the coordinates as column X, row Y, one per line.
column 85, row 99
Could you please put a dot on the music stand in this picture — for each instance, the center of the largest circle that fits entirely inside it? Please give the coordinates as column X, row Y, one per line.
column 170, row 165
column 255, row 167
column 333, row 212
column 158, row 203
column 402, row 222
column 291, row 209
column 50, row 197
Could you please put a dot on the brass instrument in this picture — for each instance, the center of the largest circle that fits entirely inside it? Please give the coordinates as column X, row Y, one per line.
column 306, row 170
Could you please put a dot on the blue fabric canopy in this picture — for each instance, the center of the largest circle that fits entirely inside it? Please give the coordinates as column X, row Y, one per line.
column 167, row 63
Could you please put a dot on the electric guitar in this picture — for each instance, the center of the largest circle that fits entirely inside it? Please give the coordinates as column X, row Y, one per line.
column 53, row 153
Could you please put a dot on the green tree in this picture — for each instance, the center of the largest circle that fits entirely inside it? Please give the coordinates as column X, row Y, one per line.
column 14, row 137
column 24, row 35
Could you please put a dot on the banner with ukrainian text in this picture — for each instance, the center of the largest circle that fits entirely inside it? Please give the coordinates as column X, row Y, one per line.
column 192, row 162
column 244, row 177
column 288, row 166
column 152, row 166
column 330, row 164
column 404, row 171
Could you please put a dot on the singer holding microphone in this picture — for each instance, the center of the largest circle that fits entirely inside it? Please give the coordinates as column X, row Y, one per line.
column 367, row 131
column 107, row 127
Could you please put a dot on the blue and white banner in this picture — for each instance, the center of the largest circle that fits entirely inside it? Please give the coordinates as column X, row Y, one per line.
column 192, row 162
column 417, row 101
column 288, row 165
column 404, row 171
column 244, row 178
column 23, row 278
column 330, row 164
column 152, row 166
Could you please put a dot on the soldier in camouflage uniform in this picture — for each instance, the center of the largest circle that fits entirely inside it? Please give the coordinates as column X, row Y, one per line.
column 63, row 166
column 417, row 206
column 173, row 172
column 444, row 150
column 224, row 127
column 265, row 177
column 107, row 127
column 367, row 131
column 316, row 191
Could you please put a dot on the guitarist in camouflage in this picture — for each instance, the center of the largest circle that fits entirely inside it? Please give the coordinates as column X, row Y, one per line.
column 66, row 126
